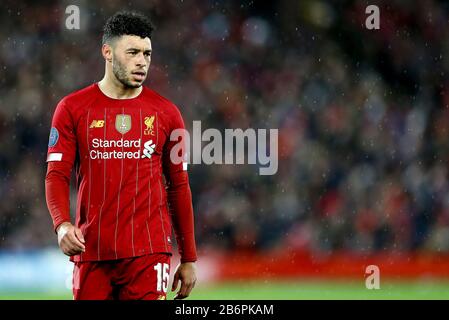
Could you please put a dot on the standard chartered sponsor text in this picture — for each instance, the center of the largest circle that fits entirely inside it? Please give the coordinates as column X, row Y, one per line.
column 114, row 154
column 100, row 143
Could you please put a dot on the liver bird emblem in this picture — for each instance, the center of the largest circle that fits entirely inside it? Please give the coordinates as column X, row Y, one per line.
column 149, row 123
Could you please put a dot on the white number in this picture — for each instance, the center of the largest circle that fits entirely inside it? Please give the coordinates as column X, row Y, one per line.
column 162, row 276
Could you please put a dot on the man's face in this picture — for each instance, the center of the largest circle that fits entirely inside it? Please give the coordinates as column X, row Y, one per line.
column 131, row 60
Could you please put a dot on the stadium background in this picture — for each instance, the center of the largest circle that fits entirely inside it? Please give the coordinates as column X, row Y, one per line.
column 363, row 141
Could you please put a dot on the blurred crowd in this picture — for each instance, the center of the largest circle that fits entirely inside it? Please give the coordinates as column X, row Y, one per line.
column 362, row 116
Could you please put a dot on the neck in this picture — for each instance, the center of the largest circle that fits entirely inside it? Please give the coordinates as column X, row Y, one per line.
column 113, row 88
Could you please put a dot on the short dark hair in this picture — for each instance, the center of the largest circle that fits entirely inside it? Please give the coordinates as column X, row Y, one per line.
column 127, row 23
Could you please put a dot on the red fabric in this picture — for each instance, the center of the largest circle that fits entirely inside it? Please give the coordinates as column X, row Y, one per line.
column 180, row 200
column 126, row 279
column 123, row 207
column 57, row 192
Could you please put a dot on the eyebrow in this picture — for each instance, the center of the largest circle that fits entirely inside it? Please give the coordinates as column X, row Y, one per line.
column 135, row 49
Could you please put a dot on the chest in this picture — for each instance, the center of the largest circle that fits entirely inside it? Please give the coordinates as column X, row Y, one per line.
column 122, row 129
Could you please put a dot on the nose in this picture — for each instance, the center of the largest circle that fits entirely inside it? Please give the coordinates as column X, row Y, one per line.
column 141, row 61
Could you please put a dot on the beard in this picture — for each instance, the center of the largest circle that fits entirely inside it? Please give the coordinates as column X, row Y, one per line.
column 121, row 74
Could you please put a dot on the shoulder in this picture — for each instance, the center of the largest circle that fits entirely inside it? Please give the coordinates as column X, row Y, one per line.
column 167, row 110
column 164, row 105
column 79, row 96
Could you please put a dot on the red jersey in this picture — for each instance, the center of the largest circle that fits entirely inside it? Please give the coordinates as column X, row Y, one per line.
column 121, row 150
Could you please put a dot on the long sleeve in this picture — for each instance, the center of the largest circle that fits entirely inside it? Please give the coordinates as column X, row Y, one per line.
column 179, row 196
column 57, row 187
column 60, row 158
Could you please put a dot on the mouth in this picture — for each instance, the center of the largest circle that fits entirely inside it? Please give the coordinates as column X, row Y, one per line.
column 139, row 75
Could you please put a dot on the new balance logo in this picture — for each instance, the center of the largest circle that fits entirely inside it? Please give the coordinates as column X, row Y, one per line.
column 97, row 124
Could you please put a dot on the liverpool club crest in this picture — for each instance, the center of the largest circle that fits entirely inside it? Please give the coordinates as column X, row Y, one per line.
column 149, row 123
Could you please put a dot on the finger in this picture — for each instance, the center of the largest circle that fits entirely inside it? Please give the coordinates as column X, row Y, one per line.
column 69, row 249
column 71, row 246
column 189, row 288
column 79, row 235
column 70, row 241
column 71, row 252
column 75, row 242
column 67, row 253
column 175, row 282
column 179, row 296
column 182, row 291
column 65, row 247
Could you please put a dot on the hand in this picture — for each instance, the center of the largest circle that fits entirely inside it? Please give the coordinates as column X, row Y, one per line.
column 186, row 273
column 70, row 239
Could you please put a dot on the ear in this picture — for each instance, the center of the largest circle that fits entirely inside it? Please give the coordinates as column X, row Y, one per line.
column 106, row 51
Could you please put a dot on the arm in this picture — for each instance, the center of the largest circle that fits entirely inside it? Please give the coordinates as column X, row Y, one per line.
column 57, row 188
column 60, row 158
column 179, row 199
